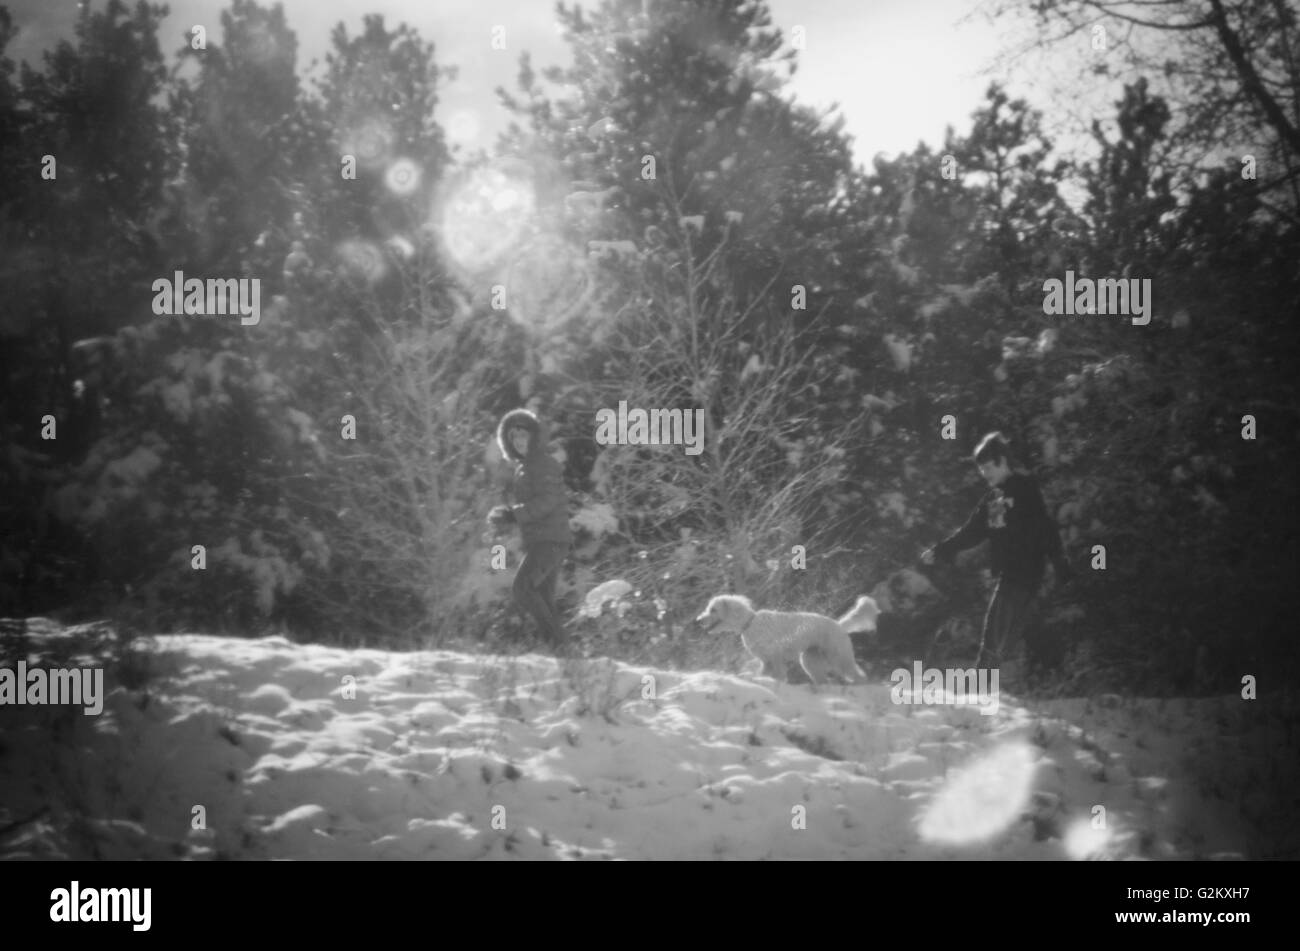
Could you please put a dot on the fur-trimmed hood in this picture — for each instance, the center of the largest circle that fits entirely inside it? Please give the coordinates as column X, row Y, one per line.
column 541, row 505
column 520, row 419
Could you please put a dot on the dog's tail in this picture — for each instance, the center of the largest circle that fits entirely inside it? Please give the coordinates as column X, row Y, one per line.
column 863, row 615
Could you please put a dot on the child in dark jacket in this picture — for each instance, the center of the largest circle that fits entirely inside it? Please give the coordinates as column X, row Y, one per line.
column 1022, row 537
column 541, row 511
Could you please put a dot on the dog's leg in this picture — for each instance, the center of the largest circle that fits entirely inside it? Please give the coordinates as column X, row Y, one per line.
column 840, row 655
column 814, row 665
column 775, row 667
column 849, row 669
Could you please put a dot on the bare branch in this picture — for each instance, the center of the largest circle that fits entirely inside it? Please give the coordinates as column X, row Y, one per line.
column 1250, row 79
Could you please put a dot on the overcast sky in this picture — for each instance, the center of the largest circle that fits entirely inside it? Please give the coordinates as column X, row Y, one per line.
column 901, row 69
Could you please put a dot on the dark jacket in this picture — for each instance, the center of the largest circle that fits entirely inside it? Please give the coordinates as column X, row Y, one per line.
column 1021, row 535
column 541, row 506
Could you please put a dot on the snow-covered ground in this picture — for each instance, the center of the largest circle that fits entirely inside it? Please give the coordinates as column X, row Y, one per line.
column 232, row 748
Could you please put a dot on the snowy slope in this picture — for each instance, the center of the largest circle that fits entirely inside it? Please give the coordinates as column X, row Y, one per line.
column 444, row 755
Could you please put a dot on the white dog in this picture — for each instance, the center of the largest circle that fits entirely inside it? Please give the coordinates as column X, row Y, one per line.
column 820, row 644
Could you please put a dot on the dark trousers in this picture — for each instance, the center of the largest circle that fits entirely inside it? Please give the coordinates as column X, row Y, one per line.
column 1009, row 621
column 534, row 586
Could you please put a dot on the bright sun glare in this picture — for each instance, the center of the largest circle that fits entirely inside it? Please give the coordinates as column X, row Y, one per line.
column 486, row 216
column 983, row 799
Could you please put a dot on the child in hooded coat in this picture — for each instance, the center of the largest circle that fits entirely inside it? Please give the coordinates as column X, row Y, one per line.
column 541, row 511
column 1023, row 538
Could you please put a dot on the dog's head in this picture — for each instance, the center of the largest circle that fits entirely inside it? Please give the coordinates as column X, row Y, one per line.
column 726, row 612
column 862, row 616
column 905, row 592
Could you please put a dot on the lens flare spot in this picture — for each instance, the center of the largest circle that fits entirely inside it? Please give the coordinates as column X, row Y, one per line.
column 507, row 200
column 401, row 247
column 485, row 216
column 547, row 280
column 983, row 799
column 361, row 260
column 370, row 140
column 402, row 177
column 1082, row 841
